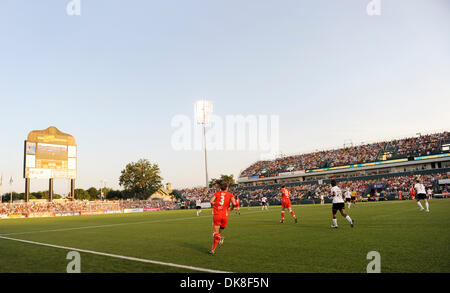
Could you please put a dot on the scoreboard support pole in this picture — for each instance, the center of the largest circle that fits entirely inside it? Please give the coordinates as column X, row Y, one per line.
column 27, row 189
column 50, row 189
column 72, row 189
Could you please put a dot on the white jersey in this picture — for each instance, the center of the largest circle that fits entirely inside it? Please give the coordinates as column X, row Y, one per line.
column 336, row 193
column 348, row 194
column 264, row 199
column 419, row 188
column 430, row 192
column 198, row 202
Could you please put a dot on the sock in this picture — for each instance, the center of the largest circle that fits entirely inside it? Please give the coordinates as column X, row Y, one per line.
column 292, row 213
column 216, row 240
column 197, row 213
column 427, row 206
column 282, row 216
column 420, row 205
column 349, row 219
column 335, row 222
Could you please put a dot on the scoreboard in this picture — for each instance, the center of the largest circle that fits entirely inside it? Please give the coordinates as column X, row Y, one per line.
column 50, row 153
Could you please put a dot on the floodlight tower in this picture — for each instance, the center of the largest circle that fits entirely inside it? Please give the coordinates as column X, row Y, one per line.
column 11, row 181
column 203, row 113
column 102, row 186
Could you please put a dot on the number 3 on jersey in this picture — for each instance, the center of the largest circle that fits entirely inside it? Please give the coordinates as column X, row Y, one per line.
column 222, row 200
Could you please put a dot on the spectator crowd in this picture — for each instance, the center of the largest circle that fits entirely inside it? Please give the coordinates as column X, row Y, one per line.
column 363, row 187
column 414, row 146
column 65, row 206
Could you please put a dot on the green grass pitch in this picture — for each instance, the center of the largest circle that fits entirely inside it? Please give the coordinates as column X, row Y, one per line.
column 407, row 239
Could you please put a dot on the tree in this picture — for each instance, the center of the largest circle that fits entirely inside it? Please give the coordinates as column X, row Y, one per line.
column 81, row 194
column 93, row 193
column 141, row 178
column 228, row 179
column 113, row 194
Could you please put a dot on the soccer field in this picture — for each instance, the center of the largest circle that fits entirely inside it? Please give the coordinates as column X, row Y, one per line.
column 407, row 239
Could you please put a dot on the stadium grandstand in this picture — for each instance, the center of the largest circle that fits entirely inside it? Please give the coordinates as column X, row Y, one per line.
column 65, row 207
column 378, row 171
column 423, row 152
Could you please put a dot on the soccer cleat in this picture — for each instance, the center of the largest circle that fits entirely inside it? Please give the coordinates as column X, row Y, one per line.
column 295, row 220
column 211, row 252
column 221, row 241
column 334, row 227
column 281, row 221
column 421, row 209
column 427, row 211
column 353, row 223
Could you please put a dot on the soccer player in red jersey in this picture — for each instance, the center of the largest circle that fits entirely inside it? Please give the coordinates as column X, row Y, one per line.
column 221, row 203
column 286, row 203
column 412, row 193
column 237, row 210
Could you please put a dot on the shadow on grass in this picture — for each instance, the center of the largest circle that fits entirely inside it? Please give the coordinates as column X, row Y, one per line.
column 195, row 246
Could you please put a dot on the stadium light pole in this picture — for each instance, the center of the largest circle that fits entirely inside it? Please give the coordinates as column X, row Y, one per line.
column 102, row 185
column 203, row 113
column 10, row 187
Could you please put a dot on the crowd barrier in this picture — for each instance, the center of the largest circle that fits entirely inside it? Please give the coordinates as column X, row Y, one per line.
column 76, row 213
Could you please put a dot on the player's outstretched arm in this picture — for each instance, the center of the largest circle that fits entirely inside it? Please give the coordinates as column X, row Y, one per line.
column 233, row 201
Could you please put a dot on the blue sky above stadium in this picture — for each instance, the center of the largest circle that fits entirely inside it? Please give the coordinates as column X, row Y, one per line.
column 116, row 75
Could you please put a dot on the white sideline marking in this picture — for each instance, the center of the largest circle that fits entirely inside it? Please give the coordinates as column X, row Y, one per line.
column 117, row 256
column 110, row 225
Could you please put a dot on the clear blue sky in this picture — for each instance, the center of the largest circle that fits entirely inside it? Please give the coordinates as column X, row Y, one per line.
column 116, row 75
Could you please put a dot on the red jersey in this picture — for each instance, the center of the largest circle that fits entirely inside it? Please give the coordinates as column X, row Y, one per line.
column 222, row 203
column 285, row 193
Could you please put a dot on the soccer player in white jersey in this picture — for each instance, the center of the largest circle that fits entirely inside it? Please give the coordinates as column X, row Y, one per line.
column 421, row 194
column 429, row 193
column 338, row 204
column 264, row 203
column 198, row 204
column 348, row 197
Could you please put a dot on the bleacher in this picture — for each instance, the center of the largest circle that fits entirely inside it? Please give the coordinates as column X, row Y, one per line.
column 403, row 148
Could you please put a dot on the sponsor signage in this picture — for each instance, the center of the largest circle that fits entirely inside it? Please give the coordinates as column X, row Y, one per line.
column 205, row 205
column 432, row 157
column 133, row 210
column 444, row 181
column 40, row 215
column 112, row 212
column 356, row 165
column 151, row 209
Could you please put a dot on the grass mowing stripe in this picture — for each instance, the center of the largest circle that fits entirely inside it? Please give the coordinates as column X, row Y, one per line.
column 108, row 225
column 116, row 256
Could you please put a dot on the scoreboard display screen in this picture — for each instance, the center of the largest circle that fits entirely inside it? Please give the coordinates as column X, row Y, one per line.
column 50, row 153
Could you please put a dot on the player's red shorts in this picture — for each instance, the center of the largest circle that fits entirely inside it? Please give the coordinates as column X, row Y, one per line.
column 285, row 203
column 220, row 220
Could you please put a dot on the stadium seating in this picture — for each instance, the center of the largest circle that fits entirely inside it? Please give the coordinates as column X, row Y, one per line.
column 305, row 192
column 402, row 148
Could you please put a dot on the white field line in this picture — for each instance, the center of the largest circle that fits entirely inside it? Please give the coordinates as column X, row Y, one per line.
column 116, row 256
column 111, row 225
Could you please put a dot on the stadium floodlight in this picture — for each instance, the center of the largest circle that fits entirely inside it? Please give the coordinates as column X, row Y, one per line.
column 11, row 181
column 203, row 113
column 102, row 186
